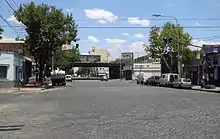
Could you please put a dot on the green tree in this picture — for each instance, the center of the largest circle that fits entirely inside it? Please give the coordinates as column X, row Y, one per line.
column 157, row 46
column 1, row 31
column 48, row 28
column 83, row 71
column 64, row 59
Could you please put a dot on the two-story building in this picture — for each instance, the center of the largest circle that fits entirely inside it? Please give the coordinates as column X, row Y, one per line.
column 211, row 63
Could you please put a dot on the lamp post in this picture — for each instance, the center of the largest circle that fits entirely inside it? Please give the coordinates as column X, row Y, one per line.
column 178, row 54
column 120, row 63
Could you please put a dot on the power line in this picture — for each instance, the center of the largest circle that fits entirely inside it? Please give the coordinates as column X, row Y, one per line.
column 15, row 3
column 10, row 25
column 10, row 5
column 179, row 19
column 127, row 27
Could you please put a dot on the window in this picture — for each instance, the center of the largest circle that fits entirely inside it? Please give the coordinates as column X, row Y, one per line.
column 176, row 76
column 186, row 80
column 3, row 72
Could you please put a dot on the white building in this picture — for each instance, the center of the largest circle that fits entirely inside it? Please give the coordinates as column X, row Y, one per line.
column 11, row 68
column 149, row 66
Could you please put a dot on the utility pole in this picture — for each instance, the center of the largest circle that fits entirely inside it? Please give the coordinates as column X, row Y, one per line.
column 53, row 60
column 120, row 65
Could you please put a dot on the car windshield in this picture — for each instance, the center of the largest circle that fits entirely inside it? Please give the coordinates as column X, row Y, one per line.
column 186, row 80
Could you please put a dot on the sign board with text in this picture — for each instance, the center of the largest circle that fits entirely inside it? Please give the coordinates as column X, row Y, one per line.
column 127, row 60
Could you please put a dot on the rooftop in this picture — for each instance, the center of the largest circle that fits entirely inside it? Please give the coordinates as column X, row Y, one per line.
column 10, row 41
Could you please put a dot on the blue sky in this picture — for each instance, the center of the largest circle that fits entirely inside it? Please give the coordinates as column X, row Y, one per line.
column 128, row 13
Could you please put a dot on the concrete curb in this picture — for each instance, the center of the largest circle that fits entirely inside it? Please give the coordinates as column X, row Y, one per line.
column 212, row 91
column 38, row 91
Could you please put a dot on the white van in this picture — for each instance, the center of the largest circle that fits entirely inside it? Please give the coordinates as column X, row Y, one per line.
column 167, row 79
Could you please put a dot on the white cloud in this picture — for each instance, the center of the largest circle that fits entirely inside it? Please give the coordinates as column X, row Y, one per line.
column 125, row 34
column 138, row 36
column 115, row 40
column 201, row 43
column 100, row 14
column 69, row 10
column 101, row 21
column 93, row 39
column 13, row 19
column 137, row 48
column 138, row 21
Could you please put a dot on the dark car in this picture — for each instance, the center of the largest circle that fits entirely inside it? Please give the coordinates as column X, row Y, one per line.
column 153, row 80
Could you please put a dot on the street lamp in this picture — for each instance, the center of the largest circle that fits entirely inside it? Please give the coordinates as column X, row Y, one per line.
column 120, row 63
column 179, row 64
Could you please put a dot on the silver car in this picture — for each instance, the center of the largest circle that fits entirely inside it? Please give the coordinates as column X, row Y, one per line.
column 182, row 83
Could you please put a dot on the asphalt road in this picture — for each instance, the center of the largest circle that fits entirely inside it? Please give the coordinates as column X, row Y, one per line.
column 113, row 109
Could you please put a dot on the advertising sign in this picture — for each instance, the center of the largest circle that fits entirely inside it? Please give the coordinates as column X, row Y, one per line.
column 127, row 60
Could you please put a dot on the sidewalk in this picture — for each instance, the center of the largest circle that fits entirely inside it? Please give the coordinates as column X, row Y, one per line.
column 16, row 90
column 216, row 90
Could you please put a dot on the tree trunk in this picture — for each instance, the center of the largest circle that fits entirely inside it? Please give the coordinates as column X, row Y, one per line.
column 167, row 65
column 41, row 68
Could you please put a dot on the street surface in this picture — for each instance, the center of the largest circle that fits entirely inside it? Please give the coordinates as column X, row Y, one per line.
column 113, row 109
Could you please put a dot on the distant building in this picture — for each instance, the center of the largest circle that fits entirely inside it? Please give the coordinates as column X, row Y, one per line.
column 105, row 56
column 90, row 58
column 151, row 67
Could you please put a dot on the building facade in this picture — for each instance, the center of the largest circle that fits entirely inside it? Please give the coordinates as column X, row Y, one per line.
column 150, row 67
column 13, row 67
column 14, row 62
column 211, row 63
column 90, row 58
column 105, row 55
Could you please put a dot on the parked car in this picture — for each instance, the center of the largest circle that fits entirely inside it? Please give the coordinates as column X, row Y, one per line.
column 167, row 79
column 104, row 78
column 68, row 78
column 140, row 78
column 182, row 83
column 153, row 80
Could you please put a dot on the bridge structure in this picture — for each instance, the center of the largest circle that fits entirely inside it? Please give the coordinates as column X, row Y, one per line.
column 114, row 68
